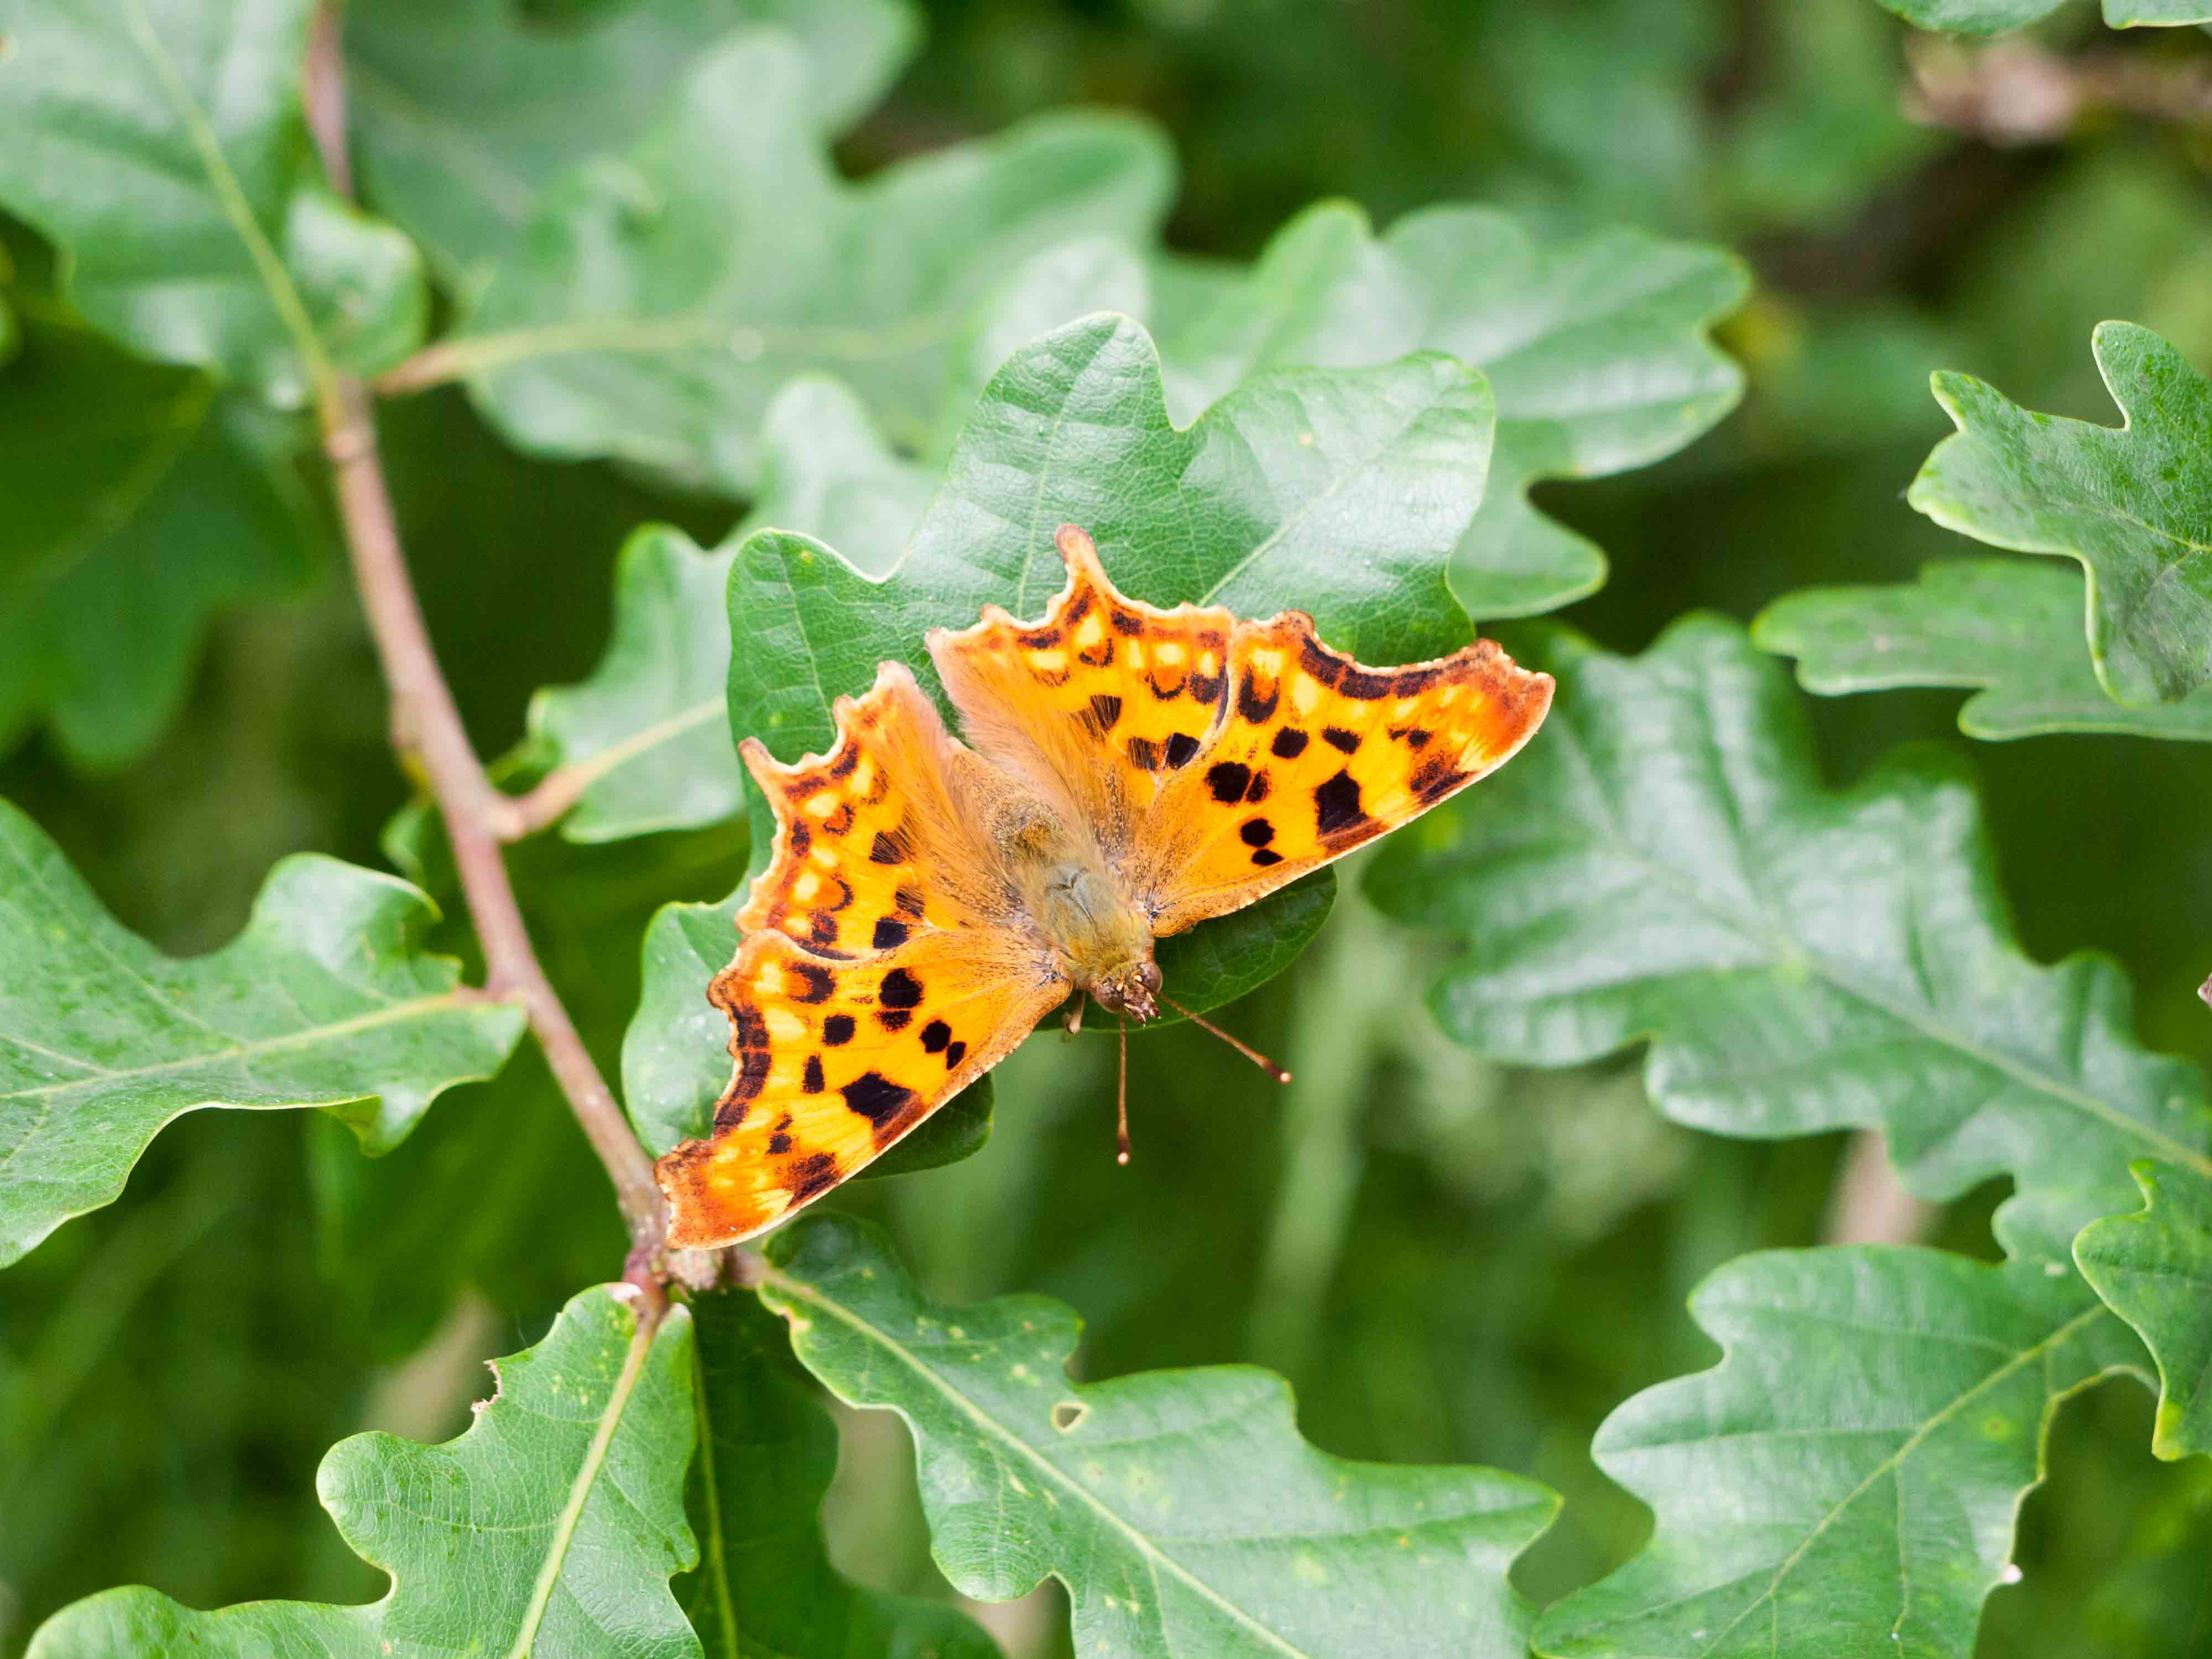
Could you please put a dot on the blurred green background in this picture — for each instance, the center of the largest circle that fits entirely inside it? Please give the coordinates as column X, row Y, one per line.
column 172, row 1368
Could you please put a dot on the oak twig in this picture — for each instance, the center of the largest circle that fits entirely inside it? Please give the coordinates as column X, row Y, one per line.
column 427, row 730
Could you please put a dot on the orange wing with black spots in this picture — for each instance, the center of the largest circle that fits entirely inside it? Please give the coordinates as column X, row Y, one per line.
column 872, row 843
column 837, row 1060
column 884, row 967
column 1101, row 703
column 1316, row 755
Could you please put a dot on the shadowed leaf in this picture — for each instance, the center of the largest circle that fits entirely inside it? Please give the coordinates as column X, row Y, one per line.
column 2008, row 629
column 160, row 144
column 325, row 999
column 551, row 1528
column 461, row 159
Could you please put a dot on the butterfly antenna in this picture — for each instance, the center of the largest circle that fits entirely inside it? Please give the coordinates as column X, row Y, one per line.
column 1243, row 1048
column 1121, row 1100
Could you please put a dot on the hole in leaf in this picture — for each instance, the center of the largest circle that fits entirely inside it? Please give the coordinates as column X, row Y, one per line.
column 1067, row 1413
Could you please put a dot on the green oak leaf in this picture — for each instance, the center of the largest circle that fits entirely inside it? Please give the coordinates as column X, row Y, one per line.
column 2154, row 1268
column 1180, row 1509
column 460, row 161
column 660, row 298
column 1845, row 1480
column 645, row 739
column 764, row 1586
column 551, row 1528
column 1595, row 348
column 1994, row 16
column 160, row 144
column 2010, row 629
column 1340, row 492
column 325, row 999
column 140, row 501
column 2132, row 503
column 1662, row 864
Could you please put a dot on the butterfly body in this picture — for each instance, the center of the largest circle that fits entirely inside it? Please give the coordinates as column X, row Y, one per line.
column 1133, row 771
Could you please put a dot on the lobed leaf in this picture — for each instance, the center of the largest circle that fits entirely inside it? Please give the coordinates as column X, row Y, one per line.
column 2010, row 629
column 764, row 1585
column 141, row 502
column 1664, row 864
column 551, row 1528
column 2133, row 504
column 1596, row 349
column 2154, row 1268
column 1845, row 1479
column 325, row 999
column 1993, row 16
column 160, row 144
column 646, row 737
column 1180, row 1509
column 461, row 160
column 660, row 298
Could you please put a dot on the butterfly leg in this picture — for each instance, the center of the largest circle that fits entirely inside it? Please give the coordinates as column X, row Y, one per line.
column 1074, row 1018
column 1121, row 1100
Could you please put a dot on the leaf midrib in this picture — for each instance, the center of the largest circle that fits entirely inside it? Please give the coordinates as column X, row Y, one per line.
column 1154, row 1558
column 1784, row 948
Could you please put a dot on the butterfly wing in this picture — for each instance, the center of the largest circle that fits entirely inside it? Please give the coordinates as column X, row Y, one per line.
column 1219, row 759
column 882, row 971
column 1316, row 755
column 1101, row 703
column 837, row 1060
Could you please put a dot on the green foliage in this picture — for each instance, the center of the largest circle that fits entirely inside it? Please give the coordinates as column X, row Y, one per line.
column 657, row 305
column 564, row 1501
column 108, row 1040
column 1180, row 1509
column 2132, row 504
column 2154, row 1269
column 2012, row 631
column 461, row 161
column 160, row 144
column 1993, row 16
column 1594, row 347
column 1845, row 1479
column 141, row 502
column 1665, row 865
column 764, row 1585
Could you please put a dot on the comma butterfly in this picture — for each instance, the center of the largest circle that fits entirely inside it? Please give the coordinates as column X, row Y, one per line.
column 1134, row 771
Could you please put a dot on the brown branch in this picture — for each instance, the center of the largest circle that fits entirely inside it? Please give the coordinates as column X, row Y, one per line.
column 426, row 729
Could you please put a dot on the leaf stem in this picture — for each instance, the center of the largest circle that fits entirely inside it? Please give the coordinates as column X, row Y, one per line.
column 427, row 730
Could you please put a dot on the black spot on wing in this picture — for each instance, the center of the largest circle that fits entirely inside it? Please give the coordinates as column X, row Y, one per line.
column 1336, row 804
column 811, row 1083
column 1257, row 792
column 1257, row 832
column 1435, row 778
column 810, row 1176
column 900, row 989
column 1181, row 748
column 909, row 903
column 822, row 929
column 1337, row 739
column 1143, row 754
column 955, row 1054
column 847, row 758
column 888, row 933
column 1252, row 705
column 1290, row 742
column 894, row 1019
column 1123, row 622
column 1412, row 736
column 837, row 1030
column 1266, row 856
column 875, row 1098
column 1228, row 780
column 935, row 1036
column 839, row 820
column 1105, row 710
column 815, row 984
column 888, row 849
column 778, row 1144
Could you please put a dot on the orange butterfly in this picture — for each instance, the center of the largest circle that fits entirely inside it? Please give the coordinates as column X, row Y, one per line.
column 1134, row 772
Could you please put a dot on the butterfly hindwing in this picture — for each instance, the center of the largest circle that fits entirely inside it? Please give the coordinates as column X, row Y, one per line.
column 837, row 1060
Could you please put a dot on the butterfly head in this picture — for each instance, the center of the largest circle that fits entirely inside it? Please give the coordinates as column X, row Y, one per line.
column 1132, row 989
